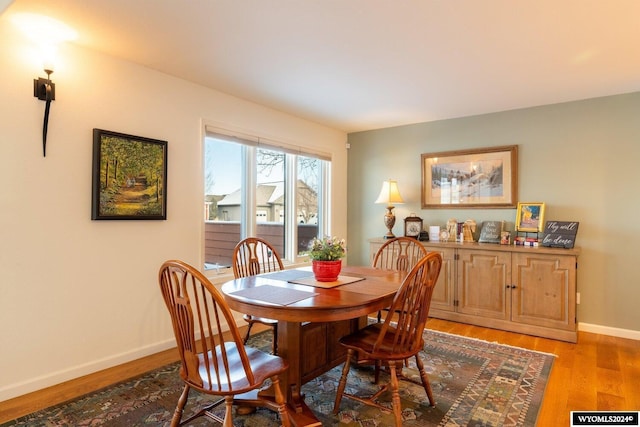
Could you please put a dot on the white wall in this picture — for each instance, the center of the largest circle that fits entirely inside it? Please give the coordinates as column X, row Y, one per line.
column 78, row 295
column 580, row 158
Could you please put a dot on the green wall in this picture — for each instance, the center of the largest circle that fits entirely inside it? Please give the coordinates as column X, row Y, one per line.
column 579, row 158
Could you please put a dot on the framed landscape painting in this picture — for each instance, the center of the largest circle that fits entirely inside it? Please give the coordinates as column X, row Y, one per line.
column 485, row 177
column 129, row 177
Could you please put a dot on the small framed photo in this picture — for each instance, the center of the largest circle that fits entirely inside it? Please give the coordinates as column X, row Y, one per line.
column 129, row 177
column 530, row 217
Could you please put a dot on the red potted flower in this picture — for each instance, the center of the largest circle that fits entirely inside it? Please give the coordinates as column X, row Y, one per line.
column 326, row 258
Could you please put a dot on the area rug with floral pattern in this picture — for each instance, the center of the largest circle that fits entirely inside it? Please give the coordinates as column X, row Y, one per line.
column 475, row 383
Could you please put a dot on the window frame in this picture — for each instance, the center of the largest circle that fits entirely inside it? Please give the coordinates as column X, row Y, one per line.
column 248, row 221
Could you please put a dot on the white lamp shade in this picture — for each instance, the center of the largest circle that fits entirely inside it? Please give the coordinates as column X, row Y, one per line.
column 389, row 193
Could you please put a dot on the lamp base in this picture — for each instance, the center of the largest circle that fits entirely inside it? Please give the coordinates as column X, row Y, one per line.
column 389, row 222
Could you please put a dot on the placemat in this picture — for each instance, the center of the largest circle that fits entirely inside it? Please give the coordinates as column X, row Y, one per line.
column 288, row 275
column 311, row 281
column 367, row 271
column 274, row 294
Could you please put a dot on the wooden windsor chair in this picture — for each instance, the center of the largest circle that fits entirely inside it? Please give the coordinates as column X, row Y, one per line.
column 253, row 256
column 392, row 342
column 398, row 254
column 215, row 362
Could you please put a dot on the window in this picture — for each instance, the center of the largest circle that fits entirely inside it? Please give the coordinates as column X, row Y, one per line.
column 256, row 189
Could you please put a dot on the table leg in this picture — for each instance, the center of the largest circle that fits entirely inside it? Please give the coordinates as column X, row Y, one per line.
column 291, row 336
column 289, row 342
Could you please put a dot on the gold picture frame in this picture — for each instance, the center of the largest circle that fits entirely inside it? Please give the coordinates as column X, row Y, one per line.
column 530, row 217
column 484, row 177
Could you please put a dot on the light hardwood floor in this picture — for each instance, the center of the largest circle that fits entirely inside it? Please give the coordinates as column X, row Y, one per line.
column 600, row 373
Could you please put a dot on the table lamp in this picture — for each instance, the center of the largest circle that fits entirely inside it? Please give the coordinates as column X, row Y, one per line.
column 389, row 194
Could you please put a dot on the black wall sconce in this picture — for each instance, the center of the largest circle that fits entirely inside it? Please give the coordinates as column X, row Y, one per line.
column 46, row 34
column 45, row 90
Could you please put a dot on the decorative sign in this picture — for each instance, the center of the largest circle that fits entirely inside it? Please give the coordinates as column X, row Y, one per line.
column 560, row 234
column 490, row 232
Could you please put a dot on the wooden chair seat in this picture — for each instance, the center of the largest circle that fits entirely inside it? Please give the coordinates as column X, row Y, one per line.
column 262, row 364
column 272, row 323
column 366, row 340
column 264, row 320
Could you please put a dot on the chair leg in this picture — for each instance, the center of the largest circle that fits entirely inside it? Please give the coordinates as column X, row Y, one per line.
column 395, row 394
column 228, row 412
column 182, row 400
column 378, row 368
column 425, row 380
column 246, row 338
column 282, row 405
column 343, row 381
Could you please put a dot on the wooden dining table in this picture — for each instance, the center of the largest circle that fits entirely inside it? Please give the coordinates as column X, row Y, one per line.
column 312, row 316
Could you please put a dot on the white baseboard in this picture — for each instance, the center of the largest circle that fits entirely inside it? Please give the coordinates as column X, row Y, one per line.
column 607, row 330
column 10, row 391
column 38, row 383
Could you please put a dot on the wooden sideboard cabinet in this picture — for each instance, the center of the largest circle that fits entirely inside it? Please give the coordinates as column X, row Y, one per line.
column 531, row 290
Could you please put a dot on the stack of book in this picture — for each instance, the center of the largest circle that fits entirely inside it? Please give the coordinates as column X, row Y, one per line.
column 525, row 241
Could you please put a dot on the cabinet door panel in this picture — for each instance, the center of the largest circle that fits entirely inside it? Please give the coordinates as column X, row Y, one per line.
column 319, row 346
column 444, row 292
column 545, row 290
column 337, row 353
column 483, row 277
column 313, row 347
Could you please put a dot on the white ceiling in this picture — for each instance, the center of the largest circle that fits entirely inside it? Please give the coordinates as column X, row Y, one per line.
column 367, row 64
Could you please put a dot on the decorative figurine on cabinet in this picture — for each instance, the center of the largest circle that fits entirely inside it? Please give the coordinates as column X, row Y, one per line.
column 469, row 230
column 452, row 229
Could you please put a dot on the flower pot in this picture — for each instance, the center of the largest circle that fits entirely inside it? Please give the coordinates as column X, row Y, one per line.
column 326, row 271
